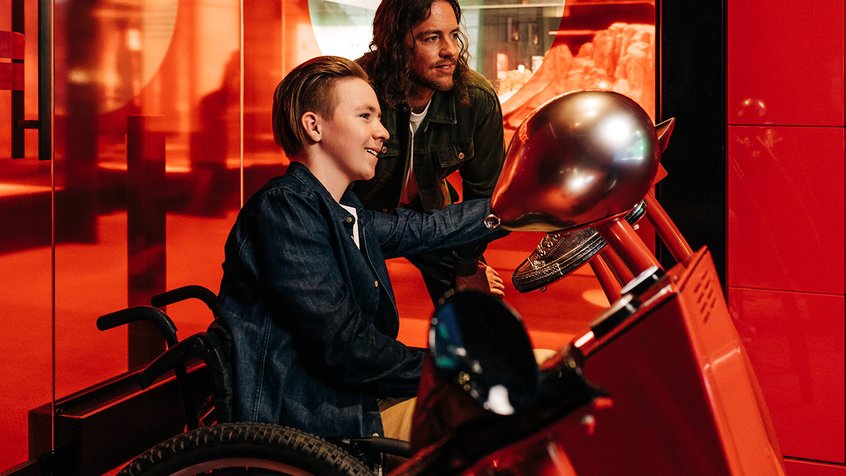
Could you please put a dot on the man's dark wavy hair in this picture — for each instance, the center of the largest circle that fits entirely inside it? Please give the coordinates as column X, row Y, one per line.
column 388, row 62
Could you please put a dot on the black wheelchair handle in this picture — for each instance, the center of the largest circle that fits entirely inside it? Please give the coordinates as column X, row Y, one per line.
column 183, row 293
column 140, row 313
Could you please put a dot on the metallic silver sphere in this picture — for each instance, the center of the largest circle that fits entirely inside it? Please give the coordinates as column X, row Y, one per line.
column 580, row 158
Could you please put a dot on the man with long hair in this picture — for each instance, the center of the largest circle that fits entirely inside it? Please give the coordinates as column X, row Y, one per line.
column 442, row 117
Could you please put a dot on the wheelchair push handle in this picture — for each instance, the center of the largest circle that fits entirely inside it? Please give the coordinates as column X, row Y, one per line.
column 140, row 313
column 184, row 293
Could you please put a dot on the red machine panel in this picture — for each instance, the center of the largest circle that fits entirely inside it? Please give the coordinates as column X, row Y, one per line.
column 682, row 398
column 783, row 67
column 796, row 342
column 786, row 208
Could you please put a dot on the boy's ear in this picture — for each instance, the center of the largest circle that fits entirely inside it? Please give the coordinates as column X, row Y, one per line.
column 311, row 125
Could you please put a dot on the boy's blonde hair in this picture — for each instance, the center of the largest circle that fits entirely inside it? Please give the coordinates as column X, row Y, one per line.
column 310, row 87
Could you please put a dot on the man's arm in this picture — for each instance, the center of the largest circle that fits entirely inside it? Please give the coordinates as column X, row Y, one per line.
column 315, row 303
column 479, row 176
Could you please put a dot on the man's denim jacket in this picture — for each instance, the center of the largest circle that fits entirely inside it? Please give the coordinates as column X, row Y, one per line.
column 467, row 138
column 313, row 317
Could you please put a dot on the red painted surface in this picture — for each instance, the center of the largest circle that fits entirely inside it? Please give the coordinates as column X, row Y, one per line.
column 786, row 217
column 796, row 343
column 682, row 398
column 786, row 208
column 785, row 62
column 796, row 467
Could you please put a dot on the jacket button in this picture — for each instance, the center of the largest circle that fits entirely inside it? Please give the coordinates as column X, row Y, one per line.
column 384, row 150
column 348, row 220
column 375, row 283
column 461, row 155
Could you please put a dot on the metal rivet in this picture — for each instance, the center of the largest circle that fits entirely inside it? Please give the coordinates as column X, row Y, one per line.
column 461, row 155
column 384, row 149
column 375, row 283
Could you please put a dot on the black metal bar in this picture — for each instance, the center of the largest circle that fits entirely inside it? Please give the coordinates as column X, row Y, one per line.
column 45, row 86
column 18, row 21
column 45, row 79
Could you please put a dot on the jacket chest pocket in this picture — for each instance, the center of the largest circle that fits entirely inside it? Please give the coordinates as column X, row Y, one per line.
column 453, row 155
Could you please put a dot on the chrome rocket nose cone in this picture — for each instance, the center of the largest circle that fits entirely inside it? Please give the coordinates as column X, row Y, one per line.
column 578, row 159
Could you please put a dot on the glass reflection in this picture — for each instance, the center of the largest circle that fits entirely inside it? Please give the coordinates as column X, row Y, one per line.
column 531, row 51
column 148, row 161
column 25, row 356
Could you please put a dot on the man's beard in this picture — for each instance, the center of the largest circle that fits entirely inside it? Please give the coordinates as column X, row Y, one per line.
column 430, row 84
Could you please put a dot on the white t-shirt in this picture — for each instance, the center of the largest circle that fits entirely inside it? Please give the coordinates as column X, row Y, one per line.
column 409, row 190
column 355, row 224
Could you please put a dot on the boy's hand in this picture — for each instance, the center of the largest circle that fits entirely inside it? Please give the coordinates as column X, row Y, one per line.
column 485, row 279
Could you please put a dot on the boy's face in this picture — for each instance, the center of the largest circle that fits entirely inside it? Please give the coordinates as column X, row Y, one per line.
column 434, row 48
column 353, row 135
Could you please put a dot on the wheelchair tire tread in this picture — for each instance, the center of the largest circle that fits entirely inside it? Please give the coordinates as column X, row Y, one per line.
column 257, row 441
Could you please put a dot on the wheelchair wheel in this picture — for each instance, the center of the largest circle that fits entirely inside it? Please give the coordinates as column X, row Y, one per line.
column 245, row 448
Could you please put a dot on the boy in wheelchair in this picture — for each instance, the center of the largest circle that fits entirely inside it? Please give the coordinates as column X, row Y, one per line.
column 305, row 291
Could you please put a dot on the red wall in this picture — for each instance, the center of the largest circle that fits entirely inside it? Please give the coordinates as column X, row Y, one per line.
column 785, row 243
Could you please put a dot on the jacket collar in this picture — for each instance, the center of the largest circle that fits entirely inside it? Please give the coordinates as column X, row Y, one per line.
column 300, row 172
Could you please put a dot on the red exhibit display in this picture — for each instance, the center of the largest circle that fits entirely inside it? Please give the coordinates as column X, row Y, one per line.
column 675, row 390
column 682, row 396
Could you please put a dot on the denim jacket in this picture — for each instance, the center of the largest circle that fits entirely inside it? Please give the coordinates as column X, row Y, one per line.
column 467, row 138
column 313, row 317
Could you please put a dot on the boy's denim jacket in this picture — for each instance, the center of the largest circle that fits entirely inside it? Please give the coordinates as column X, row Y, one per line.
column 313, row 317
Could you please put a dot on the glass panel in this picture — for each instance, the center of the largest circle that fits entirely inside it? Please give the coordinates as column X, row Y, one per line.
column 534, row 53
column 147, row 169
column 278, row 37
column 597, row 44
column 26, row 354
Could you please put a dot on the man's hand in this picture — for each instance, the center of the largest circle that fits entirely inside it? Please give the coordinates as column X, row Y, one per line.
column 485, row 279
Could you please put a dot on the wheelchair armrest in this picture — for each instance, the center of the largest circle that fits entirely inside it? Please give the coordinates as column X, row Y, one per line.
column 213, row 348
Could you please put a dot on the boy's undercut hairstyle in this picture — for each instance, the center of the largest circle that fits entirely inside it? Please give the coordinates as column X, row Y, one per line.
column 392, row 26
column 309, row 87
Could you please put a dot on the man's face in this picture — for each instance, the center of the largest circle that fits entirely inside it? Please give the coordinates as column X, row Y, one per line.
column 353, row 135
column 434, row 48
